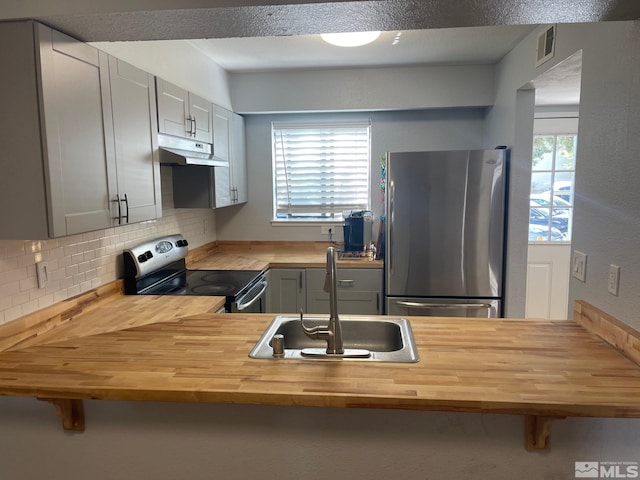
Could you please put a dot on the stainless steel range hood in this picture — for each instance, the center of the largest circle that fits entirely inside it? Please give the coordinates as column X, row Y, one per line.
column 182, row 151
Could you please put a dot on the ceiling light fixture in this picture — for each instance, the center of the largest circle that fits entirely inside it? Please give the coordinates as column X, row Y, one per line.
column 350, row 39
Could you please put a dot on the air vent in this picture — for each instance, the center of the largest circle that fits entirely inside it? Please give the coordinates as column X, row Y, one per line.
column 546, row 45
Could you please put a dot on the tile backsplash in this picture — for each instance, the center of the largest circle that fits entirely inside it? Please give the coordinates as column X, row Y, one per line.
column 79, row 263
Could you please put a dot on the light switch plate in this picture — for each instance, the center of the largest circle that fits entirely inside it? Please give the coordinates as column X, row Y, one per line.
column 614, row 279
column 579, row 266
column 42, row 273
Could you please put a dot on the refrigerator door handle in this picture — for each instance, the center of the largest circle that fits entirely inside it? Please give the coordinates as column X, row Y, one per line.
column 392, row 191
column 443, row 306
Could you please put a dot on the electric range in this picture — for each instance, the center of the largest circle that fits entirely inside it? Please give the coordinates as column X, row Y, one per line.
column 158, row 267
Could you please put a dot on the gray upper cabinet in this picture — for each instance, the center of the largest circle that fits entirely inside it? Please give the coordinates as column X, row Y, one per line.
column 54, row 159
column 216, row 187
column 229, row 144
column 133, row 130
column 238, row 160
column 221, row 149
column 182, row 113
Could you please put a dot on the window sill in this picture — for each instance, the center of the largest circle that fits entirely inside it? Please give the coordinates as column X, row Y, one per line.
column 306, row 223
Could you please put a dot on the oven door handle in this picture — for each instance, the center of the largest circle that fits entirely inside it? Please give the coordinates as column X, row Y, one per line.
column 251, row 295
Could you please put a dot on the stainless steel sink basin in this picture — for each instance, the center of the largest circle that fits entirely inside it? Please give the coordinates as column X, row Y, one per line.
column 388, row 339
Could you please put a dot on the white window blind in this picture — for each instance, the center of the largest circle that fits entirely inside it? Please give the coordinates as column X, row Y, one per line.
column 319, row 170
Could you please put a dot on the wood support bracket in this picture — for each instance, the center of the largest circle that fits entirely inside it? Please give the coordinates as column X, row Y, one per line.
column 537, row 431
column 71, row 411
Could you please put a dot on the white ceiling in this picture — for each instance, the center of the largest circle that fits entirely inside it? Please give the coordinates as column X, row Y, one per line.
column 473, row 45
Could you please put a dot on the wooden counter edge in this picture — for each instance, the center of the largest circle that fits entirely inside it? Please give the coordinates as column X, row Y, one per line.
column 619, row 335
column 48, row 318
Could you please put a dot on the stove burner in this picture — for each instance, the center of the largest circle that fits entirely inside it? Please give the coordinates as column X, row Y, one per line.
column 212, row 277
column 219, row 289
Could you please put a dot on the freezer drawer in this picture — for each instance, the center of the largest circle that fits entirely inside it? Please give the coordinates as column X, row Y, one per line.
column 444, row 307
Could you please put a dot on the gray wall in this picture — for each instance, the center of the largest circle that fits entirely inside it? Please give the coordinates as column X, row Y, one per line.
column 398, row 88
column 606, row 220
column 391, row 131
column 177, row 441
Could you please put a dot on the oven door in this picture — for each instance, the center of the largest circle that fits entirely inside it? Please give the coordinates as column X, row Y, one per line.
column 252, row 299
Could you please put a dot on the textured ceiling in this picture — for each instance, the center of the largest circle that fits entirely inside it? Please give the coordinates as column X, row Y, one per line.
column 112, row 20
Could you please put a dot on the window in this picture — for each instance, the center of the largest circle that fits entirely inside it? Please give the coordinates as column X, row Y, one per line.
column 552, row 181
column 320, row 170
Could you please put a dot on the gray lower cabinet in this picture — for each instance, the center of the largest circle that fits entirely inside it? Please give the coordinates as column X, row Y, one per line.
column 359, row 291
column 54, row 158
column 286, row 292
column 134, row 140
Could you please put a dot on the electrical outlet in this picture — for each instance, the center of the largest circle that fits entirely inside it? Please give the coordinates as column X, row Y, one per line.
column 614, row 279
column 328, row 229
column 579, row 266
column 42, row 273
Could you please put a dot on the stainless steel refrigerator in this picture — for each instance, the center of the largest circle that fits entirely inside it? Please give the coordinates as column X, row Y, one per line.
column 445, row 233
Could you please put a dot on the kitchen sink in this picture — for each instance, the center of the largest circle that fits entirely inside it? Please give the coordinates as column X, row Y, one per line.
column 388, row 339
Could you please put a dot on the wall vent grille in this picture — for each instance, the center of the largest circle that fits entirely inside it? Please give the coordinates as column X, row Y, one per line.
column 546, row 45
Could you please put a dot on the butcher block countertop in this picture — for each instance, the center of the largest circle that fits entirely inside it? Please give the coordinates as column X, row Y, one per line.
column 263, row 255
column 531, row 367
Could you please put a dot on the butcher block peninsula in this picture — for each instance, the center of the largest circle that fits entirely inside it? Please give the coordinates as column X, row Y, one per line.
column 173, row 349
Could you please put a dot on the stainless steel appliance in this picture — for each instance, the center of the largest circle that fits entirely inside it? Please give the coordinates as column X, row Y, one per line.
column 157, row 267
column 445, row 233
column 357, row 230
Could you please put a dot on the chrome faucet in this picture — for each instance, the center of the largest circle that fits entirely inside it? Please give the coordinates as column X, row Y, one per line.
column 332, row 333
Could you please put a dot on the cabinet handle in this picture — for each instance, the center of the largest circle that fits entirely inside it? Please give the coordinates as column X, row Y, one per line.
column 300, row 282
column 346, row 283
column 126, row 205
column 194, row 125
column 190, row 129
column 377, row 302
column 119, row 217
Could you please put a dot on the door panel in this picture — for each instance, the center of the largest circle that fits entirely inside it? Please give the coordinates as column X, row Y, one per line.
column 548, row 270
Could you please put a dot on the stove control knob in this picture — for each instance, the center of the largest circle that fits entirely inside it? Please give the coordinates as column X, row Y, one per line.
column 148, row 254
column 142, row 258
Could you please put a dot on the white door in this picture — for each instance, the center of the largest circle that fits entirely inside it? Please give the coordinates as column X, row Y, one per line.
column 548, row 264
column 548, row 281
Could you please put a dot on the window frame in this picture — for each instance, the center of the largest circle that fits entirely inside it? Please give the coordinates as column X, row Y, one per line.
column 330, row 215
column 554, row 171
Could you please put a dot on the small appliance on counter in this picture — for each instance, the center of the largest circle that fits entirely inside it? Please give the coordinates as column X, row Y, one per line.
column 357, row 229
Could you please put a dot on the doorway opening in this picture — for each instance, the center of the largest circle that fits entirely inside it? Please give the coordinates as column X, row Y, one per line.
column 554, row 162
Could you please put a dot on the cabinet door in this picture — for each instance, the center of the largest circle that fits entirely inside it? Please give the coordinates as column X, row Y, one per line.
column 238, row 160
column 200, row 111
column 134, row 127
column 222, row 186
column 349, row 303
column 221, row 133
column 173, row 109
column 286, row 293
column 74, row 76
column 359, row 291
column 221, row 129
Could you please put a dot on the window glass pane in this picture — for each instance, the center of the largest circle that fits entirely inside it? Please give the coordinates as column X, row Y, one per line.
column 543, row 147
column 563, row 186
column 566, row 152
column 552, row 188
column 320, row 170
column 541, row 183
